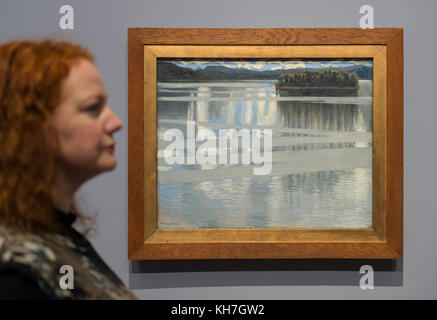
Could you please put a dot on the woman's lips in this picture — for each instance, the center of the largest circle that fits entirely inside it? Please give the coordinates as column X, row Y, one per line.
column 112, row 148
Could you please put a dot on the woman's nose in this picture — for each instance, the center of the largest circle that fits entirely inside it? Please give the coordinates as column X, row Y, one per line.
column 113, row 123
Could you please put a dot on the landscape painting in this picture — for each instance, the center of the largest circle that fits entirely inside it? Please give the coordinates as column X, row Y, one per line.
column 264, row 143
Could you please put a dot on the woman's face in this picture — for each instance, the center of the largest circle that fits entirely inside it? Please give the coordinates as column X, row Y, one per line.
column 84, row 124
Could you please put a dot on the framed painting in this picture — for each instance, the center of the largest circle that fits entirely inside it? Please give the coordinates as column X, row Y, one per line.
column 265, row 143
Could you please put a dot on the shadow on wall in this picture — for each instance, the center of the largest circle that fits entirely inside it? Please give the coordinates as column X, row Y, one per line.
column 212, row 273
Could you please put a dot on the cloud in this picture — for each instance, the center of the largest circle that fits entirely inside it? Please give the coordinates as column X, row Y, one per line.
column 252, row 65
column 289, row 66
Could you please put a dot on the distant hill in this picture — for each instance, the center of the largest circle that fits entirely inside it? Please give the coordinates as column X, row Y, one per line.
column 363, row 72
column 168, row 71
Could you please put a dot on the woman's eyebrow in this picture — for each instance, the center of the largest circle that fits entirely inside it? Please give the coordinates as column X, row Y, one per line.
column 101, row 98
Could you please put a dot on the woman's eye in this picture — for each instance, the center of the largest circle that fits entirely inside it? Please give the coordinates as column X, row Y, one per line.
column 94, row 109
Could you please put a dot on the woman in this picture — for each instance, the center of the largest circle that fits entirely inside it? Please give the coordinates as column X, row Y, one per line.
column 56, row 132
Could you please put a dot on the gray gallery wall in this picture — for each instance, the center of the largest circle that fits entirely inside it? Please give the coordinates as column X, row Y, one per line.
column 102, row 26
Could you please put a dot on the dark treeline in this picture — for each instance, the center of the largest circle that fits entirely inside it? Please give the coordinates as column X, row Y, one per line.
column 320, row 78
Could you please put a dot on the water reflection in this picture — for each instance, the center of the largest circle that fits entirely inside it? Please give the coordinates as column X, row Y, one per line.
column 322, row 173
column 308, row 200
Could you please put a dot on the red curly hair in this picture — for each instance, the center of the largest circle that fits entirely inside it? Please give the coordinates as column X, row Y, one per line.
column 31, row 77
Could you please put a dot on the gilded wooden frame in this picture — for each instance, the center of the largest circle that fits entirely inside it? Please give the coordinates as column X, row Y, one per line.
column 383, row 241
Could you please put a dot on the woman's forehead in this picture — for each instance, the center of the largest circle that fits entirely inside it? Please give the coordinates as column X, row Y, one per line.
column 84, row 80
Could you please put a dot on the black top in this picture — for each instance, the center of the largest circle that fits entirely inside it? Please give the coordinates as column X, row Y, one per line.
column 15, row 284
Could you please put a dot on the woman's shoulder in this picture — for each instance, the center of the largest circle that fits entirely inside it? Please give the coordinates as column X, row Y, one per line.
column 47, row 257
column 28, row 249
column 29, row 259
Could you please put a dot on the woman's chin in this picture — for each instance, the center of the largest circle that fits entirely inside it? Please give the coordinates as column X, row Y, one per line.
column 111, row 165
column 108, row 164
